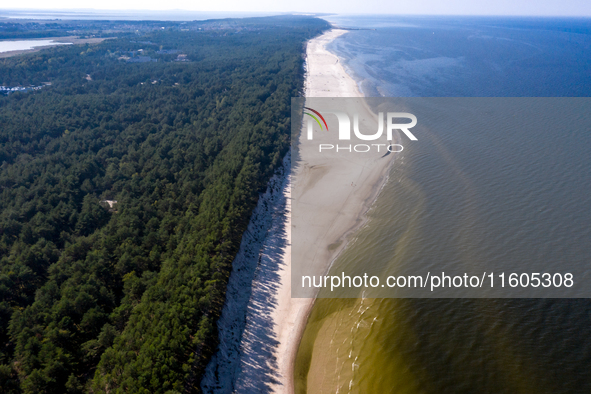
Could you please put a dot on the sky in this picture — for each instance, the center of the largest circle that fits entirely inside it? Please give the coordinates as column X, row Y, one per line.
column 426, row 7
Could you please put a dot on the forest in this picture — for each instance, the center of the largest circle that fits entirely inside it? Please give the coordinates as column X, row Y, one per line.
column 123, row 297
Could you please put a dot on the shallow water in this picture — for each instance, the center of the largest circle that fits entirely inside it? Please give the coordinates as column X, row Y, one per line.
column 21, row 45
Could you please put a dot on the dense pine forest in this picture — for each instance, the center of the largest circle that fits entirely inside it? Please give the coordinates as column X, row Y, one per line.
column 98, row 296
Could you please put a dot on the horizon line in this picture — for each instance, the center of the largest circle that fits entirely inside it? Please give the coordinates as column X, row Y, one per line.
column 272, row 13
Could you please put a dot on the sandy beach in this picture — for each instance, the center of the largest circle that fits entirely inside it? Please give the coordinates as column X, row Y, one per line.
column 336, row 214
column 325, row 77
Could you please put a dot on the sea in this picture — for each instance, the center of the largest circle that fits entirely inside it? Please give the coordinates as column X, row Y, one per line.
column 527, row 197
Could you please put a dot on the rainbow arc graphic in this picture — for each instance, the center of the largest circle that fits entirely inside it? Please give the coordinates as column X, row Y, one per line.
column 315, row 118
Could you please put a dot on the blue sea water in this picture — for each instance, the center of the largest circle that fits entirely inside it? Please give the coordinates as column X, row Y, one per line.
column 485, row 345
column 467, row 56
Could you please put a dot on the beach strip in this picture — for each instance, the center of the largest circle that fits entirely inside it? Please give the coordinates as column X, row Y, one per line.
column 336, row 215
column 260, row 335
column 325, row 77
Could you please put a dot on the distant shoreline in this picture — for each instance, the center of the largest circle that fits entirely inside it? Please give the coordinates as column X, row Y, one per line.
column 74, row 40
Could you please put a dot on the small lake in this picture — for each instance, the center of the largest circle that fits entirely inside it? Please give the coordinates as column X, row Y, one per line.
column 20, row 45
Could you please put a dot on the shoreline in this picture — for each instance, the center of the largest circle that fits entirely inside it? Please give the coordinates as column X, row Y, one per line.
column 325, row 77
column 337, row 209
column 262, row 325
column 325, row 74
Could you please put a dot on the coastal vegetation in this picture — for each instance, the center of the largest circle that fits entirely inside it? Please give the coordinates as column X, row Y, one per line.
column 124, row 297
